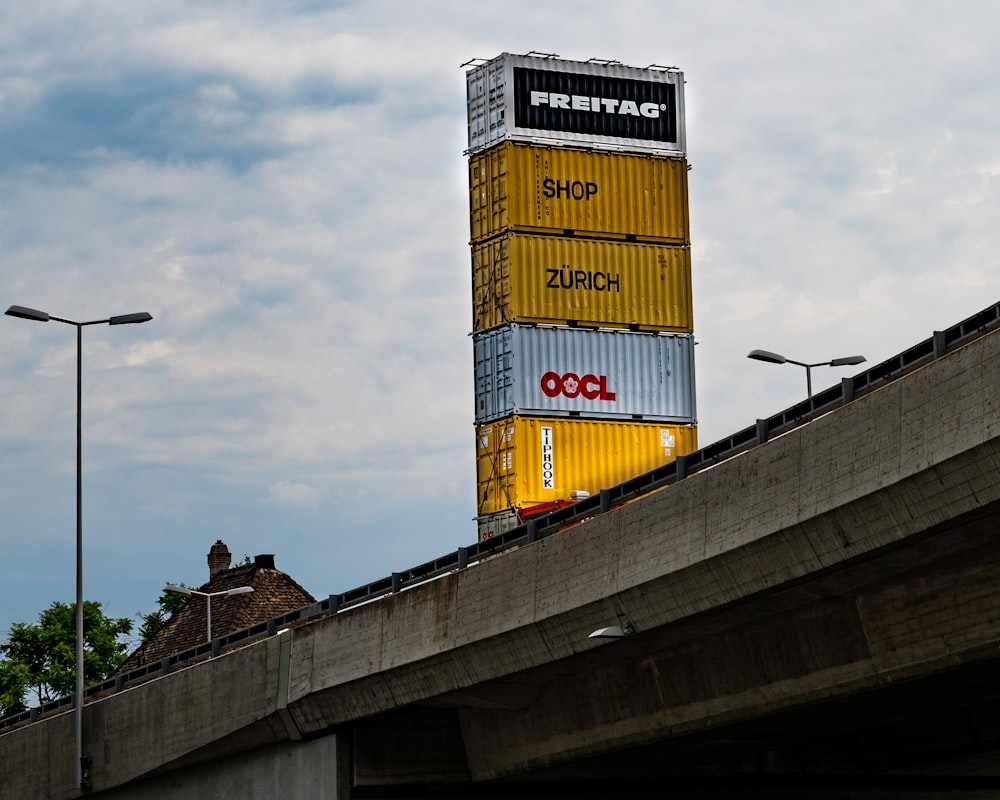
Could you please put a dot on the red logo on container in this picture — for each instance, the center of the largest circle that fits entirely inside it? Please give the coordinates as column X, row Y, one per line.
column 590, row 387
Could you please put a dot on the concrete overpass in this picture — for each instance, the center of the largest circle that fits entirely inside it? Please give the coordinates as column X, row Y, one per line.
column 818, row 615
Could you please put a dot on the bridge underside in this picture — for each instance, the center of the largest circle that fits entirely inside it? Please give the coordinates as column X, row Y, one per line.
column 882, row 674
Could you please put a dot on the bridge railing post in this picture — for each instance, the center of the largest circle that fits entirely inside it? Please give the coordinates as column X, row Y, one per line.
column 940, row 343
column 846, row 390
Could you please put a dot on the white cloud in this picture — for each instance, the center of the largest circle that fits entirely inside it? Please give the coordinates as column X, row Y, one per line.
column 292, row 493
column 146, row 352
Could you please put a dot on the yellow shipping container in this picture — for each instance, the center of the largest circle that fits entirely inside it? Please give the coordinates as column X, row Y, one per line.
column 524, row 461
column 520, row 187
column 557, row 280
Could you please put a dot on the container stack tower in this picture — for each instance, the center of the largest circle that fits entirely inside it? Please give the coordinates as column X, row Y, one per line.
column 581, row 279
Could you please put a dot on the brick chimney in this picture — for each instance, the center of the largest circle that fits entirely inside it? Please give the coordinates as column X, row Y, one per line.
column 264, row 561
column 219, row 558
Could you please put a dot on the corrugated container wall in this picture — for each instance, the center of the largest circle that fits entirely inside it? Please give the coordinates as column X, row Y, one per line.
column 491, row 525
column 533, row 98
column 557, row 280
column 518, row 187
column 596, row 374
column 526, row 461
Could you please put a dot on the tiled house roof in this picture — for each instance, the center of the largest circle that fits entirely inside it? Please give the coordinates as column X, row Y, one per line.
column 274, row 593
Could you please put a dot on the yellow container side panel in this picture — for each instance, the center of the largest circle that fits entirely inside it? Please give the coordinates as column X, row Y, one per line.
column 578, row 192
column 557, row 280
column 524, row 461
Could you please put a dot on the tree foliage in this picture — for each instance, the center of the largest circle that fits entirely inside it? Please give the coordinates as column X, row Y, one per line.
column 168, row 603
column 39, row 661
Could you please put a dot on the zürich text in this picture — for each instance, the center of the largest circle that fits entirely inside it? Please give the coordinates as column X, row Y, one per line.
column 591, row 280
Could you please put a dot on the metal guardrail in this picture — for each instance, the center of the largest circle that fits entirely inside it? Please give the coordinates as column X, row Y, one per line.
column 922, row 353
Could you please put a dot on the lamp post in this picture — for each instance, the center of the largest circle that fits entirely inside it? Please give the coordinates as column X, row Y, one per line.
column 123, row 319
column 775, row 358
column 208, row 597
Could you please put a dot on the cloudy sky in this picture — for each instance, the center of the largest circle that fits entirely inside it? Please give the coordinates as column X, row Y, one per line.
column 283, row 187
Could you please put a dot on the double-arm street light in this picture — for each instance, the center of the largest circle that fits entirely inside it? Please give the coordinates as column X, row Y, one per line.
column 775, row 358
column 123, row 319
column 208, row 597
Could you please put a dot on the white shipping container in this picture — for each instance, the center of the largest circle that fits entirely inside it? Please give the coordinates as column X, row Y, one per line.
column 547, row 100
column 491, row 525
column 589, row 373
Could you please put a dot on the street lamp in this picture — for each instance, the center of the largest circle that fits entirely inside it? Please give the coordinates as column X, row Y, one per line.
column 208, row 597
column 123, row 319
column 775, row 358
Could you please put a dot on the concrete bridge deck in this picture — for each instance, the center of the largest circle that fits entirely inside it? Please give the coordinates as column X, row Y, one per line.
column 820, row 609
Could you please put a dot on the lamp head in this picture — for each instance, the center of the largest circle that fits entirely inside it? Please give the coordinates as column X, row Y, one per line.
column 130, row 319
column 767, row 355
column 613, row 632
column 27, row 313
column 847, row 361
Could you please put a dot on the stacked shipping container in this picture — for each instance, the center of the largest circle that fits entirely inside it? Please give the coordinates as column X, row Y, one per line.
column 581, row 268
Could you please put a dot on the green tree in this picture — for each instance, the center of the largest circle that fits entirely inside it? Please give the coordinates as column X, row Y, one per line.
column 14, row 680
column 169, row 603
column 39, row 661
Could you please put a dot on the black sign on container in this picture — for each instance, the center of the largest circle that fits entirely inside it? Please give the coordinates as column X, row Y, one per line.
column 595, row 104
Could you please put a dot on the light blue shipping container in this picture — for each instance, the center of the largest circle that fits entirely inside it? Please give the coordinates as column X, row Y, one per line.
column 588, row 373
